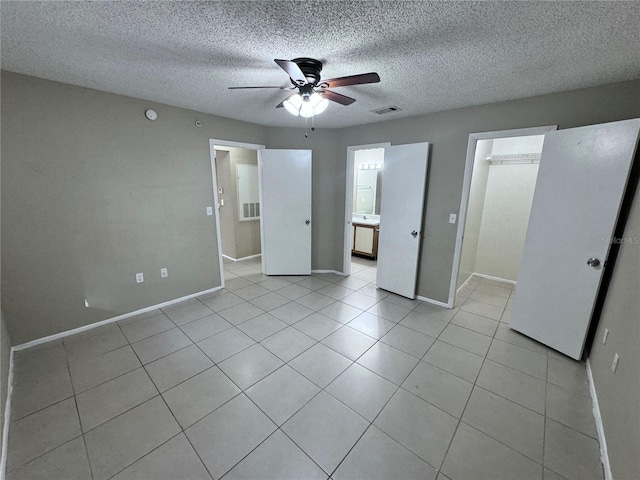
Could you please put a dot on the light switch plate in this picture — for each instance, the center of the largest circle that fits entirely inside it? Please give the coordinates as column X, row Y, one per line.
column 614, row 364
column 139, row 277
column 605, row 335
column 164, row 273
column 452, row 218
column 209, row 211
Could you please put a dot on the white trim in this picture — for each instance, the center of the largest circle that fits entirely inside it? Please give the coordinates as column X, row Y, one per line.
column 213, row 143
column 348, row 201
column 7, row 418
column 91, row 326
column 241, row 259
column 328, row 271
column 435, row 302
column 495, row 279
column 604, row 455
column 249, row 257
column 466, row 189
column 466, row 282
column 229, row 143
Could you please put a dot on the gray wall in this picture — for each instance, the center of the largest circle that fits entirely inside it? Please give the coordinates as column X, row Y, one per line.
column 5, row 355
column 449, row 133
column 619, row 393
column 227, row 220
column 93, row 192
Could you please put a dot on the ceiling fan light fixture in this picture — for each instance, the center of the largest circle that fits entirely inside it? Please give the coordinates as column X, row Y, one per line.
column 319, row 103
column 306, row 105
column 293, row 104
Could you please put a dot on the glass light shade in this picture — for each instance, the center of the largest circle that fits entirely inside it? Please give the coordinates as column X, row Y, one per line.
column 306, row 110
column 306, row 107
column 293, row 103
column 319, row 103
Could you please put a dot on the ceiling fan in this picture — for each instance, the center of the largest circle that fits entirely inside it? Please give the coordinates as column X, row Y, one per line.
column 313, row 93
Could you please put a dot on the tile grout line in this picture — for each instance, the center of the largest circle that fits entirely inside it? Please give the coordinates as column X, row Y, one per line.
column 182, row 430
column 377, row 340
column 444, row 458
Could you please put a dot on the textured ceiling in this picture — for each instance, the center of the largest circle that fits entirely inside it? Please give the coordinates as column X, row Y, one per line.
column 431, row 56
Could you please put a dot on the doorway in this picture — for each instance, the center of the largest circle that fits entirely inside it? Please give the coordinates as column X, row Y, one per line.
column 499, row 182
column 362, row 204
column 392, row 234
column 234, row 168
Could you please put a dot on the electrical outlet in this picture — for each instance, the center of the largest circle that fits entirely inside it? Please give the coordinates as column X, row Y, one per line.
column 164, row 273
column 614, row 364
column 209, row 211
column 605, row 335
column 452, row 218
column 139, row 277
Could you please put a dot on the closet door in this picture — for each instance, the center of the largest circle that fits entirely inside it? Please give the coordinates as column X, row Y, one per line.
column 285, row 192
column 581, row 182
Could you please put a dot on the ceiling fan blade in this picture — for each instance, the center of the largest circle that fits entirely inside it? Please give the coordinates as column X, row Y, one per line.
column 280, row 88
column 281, row 104
column 293, row 70
column 338, row 97
column 361, row 79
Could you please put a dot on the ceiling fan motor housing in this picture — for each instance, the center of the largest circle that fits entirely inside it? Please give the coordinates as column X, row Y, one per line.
column 310, row 67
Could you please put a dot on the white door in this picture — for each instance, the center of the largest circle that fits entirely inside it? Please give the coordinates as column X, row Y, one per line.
column 285, row 193
column 402, row 201
column 581, row 181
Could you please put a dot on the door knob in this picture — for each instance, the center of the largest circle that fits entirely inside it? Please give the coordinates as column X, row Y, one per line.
column 593, row 262
column 307, row 222
column 414, row 234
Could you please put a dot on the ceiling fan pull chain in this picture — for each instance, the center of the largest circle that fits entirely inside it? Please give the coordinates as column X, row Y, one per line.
column 306, row 134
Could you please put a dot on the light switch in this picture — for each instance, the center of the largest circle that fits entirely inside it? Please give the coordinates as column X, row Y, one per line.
column 209, row 211
column 164, row 273
column 452, row 218
column 139, row 277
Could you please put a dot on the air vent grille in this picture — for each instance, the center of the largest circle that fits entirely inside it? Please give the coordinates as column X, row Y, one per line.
column 385, row 110
column 250, row 211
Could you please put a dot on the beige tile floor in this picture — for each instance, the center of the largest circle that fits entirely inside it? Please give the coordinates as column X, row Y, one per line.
column 304, row 378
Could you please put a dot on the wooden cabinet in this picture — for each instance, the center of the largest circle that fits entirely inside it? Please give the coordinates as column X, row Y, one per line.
column 365, row 239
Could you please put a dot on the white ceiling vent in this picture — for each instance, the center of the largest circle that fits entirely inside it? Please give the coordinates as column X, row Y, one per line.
column 385, row 110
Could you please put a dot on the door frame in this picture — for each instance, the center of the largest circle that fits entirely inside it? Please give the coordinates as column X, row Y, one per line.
column 213, row 142
column 466, row 190
column 348, row 204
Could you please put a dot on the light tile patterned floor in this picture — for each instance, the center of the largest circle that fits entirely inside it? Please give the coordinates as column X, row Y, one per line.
column 304, row 378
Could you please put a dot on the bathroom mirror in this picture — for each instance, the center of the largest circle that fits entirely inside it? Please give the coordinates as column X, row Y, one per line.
column 367, row 181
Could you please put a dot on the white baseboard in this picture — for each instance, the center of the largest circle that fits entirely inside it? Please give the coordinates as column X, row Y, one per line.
column 466, row 282
column 435, row 302
column 495, row 279
column 7, row 418
column 328, row 271
column 91, row 326
column 241, row 259
column 604, row 455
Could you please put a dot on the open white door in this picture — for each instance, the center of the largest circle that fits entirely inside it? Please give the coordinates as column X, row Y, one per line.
column 285, row 193
column 581, row 182
column 402, row 202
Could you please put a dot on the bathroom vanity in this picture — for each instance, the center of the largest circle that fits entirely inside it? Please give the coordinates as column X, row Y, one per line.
column 364, row 239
